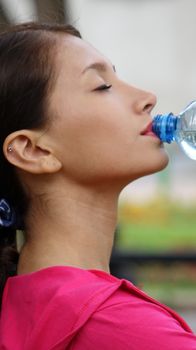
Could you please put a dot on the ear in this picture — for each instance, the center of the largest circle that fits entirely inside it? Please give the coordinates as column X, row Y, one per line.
column 24, row 149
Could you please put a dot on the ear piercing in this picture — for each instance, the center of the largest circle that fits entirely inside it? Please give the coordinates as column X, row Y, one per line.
column 10, row 148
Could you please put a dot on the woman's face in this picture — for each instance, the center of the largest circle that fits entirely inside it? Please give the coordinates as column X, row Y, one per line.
column 99, row 119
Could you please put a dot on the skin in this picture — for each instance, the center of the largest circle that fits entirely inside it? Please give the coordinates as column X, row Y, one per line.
column 75, row 169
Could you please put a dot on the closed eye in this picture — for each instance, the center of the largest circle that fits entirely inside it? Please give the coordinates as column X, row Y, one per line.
column 103, row 87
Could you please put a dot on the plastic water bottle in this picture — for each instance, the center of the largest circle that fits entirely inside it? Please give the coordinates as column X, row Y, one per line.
column 180, row 128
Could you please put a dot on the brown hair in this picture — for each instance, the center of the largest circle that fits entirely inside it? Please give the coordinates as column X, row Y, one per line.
column 26, row 77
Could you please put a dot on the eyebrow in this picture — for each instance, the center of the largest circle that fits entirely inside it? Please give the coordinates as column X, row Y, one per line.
column 99, row 66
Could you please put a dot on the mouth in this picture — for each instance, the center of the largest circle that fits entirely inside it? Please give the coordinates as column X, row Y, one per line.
column 148, row 131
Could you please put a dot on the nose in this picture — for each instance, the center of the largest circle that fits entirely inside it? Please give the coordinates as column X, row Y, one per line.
column 145, row 101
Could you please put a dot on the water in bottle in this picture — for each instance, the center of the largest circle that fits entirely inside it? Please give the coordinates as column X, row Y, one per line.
column 180, row 128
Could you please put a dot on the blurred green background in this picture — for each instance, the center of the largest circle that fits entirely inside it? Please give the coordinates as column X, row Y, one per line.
column 159, row 225
column 162, row 224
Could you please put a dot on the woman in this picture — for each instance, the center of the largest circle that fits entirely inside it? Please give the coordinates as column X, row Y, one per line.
column 73, row 135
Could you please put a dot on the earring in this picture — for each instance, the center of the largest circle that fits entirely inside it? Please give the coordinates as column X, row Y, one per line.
column 9, row 148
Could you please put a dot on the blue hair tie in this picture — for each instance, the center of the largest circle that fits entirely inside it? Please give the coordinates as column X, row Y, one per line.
column 7, row 214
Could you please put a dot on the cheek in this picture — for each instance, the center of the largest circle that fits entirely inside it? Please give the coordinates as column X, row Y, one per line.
column 104, row 142
column 95, row 144
column 98, row 126
column 105, row 136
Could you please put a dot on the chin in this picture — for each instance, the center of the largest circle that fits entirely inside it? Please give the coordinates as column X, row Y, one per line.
column 153, row 164
column 157, row 164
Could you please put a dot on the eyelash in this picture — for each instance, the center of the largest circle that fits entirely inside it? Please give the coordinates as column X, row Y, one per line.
column 103, row 87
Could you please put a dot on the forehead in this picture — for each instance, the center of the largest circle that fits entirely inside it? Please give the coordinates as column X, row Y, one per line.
column 75, row 54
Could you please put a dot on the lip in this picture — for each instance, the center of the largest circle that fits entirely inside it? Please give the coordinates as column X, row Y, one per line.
column 148, row 131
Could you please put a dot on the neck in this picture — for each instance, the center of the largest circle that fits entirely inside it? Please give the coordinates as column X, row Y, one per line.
column 74, row 228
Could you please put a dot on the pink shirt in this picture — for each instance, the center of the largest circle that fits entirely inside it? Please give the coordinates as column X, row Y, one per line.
column 62, row 307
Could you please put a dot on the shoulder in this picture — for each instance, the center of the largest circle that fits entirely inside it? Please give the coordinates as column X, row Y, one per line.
column 128, row 320
column 53, row 303
column 131, row 319
column 88, row 308
column 102, row 307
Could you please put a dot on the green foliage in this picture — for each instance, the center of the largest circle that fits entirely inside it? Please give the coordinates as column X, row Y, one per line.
column 176, row 296
column 159, row 225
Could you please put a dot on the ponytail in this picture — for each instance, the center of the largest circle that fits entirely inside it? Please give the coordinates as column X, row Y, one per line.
column 9, row 256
